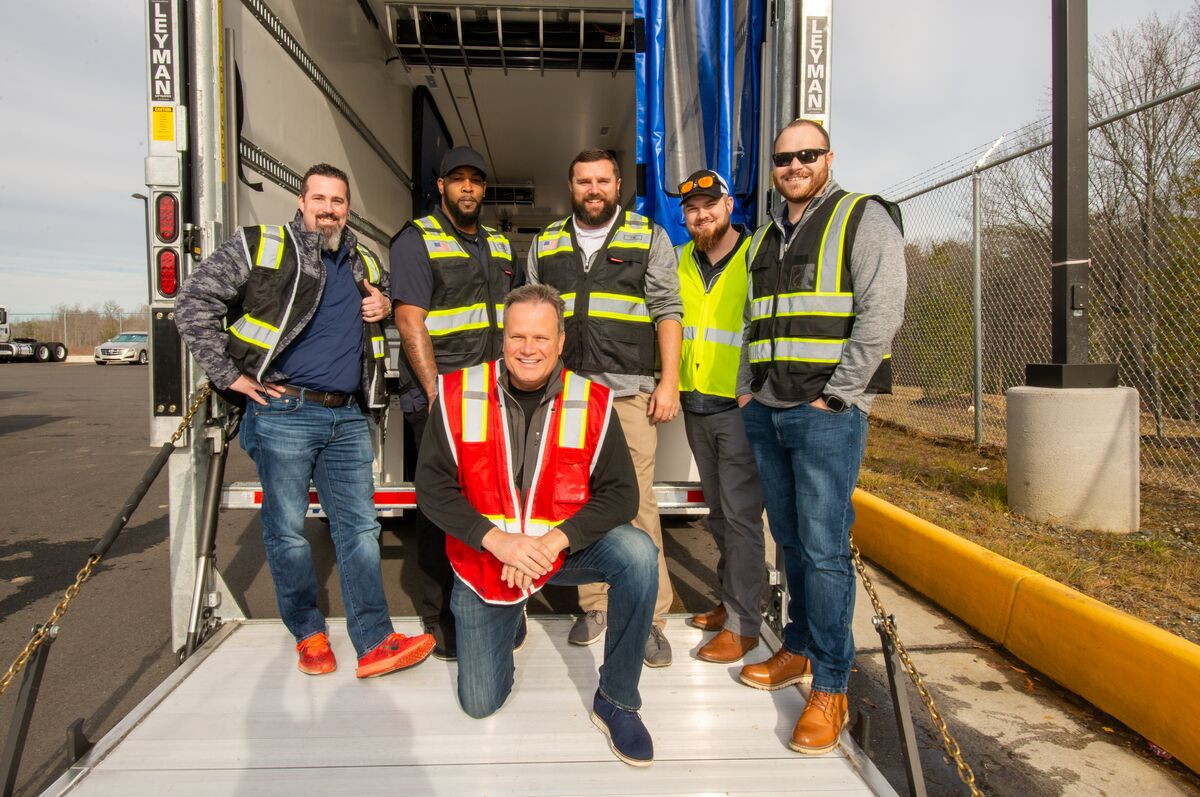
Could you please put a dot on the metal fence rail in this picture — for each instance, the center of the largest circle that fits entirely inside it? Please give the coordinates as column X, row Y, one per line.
column 1144, row 173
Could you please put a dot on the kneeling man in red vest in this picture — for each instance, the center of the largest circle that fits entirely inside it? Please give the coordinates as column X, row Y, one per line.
column 525, row 467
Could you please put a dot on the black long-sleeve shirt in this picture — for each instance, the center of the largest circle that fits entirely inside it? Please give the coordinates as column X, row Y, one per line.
column 613, row 482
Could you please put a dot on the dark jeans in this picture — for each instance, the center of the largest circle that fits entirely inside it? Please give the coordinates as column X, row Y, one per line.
column 293, row 443
column 808, row 462
column 434, row 577
column 627, row 560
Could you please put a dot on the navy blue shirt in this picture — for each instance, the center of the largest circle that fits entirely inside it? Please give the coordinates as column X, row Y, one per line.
column 327, row 355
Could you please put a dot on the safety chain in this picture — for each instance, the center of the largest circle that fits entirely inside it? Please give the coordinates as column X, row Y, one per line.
column 965, row 773
column 43, row 631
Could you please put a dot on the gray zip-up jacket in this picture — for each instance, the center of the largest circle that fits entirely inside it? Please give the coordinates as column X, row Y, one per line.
column 218, row 285
column 880, row 280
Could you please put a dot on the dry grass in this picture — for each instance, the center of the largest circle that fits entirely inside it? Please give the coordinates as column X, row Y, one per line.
column 1153, row 574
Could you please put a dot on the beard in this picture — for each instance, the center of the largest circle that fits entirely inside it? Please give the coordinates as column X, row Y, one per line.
column 463, row 218
column 708, row 237
column 816, row 184
column 330, row 231
column 607, row 210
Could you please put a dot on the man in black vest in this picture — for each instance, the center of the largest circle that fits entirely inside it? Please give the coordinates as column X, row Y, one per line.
column 617, row 273
column 450, row 277
column 304, row 350
column 827, row 284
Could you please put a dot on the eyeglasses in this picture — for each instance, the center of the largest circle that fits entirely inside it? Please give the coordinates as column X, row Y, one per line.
column 703, row 181
column 806, row 156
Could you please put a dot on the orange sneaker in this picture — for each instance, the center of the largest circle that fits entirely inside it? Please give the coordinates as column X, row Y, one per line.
column 316, row 657
column 396, row 652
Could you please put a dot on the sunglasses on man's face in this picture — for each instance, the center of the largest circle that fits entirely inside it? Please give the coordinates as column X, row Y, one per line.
column 704, row 181
column 805, row 156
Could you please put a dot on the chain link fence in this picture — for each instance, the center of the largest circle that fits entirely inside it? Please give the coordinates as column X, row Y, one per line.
column 979, row 248
column 79, row 330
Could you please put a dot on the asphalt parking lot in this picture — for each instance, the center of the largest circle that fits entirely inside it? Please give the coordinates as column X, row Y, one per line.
column 73, row 443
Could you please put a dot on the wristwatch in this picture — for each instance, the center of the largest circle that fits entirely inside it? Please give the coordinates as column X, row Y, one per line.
column 834, row 403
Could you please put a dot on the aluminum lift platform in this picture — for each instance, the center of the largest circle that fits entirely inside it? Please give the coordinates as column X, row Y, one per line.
column 238, row 718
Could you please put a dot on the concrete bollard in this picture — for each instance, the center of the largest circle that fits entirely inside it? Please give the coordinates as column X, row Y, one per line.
column 1073, row 456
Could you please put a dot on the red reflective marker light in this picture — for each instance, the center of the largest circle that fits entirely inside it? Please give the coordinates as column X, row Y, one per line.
column 168, row 272
column 166, row 212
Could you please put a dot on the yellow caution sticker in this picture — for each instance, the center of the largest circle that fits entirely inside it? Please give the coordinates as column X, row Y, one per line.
column 162, row 122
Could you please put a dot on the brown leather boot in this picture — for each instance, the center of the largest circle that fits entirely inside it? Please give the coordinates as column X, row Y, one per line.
column 821, row 723
column 711, row 620
column 782, row 669
column 726, row 647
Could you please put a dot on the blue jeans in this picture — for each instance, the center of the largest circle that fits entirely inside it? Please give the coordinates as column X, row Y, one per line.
column 293, row 443
column 808, row 462
column 627, row 560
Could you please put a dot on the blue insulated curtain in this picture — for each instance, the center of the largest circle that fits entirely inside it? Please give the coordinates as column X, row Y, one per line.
column 698, row 79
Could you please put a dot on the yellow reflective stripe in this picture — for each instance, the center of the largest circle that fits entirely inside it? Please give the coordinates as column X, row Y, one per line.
column 500, row 316
column 456, row 319
column 475, row 403
column 805, row 303
column 617, row 306
column 537, row 527
column 498, row 246
column 378, row 346
column 568, row 304
column 554, row 239
column 808, row 350
column 370, row 262
column 832, row 247
column 270, row 246
column 572, row 422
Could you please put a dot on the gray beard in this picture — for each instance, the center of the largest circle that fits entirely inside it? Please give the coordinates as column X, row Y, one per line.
column 330, row 241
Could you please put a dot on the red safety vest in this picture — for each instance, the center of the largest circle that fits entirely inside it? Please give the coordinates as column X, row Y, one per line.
column 473, row 412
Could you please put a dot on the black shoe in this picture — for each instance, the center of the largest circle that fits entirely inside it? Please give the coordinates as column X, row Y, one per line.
column 445, row 647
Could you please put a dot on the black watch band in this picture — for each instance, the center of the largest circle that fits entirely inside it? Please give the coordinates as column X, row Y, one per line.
column 834, row 403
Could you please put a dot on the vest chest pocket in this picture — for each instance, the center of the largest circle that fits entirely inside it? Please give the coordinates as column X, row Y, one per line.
column 801, row 273
column 571, row 479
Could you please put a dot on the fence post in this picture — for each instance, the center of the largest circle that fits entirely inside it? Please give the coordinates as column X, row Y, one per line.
column 65, row 341
column 977, row 299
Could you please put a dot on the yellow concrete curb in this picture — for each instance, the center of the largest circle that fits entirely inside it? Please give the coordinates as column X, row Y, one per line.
column 1144, row 676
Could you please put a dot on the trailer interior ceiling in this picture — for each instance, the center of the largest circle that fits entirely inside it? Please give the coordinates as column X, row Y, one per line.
column 528, row 87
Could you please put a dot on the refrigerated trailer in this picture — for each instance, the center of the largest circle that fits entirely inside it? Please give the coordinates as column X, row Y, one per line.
column 243, row 97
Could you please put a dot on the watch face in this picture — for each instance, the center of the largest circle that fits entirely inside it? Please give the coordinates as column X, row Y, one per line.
column 834, row 403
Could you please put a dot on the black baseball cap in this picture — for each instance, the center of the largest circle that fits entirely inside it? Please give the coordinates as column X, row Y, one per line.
column 462, row 156
column 705, row 182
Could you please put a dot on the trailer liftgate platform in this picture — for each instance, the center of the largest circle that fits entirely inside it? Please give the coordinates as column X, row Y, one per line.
column 238, row 718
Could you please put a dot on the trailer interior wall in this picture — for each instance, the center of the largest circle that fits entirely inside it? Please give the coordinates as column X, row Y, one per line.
column 286, row 114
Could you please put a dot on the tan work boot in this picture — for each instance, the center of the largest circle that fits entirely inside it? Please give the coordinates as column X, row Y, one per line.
column 726, row 647
column 782, row 669
column 713, row 620
column 820, row 724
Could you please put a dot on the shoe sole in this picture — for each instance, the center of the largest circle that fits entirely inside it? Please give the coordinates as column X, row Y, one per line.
column 702, row 657
column 603, row 726
column 658, row 666
column 409, row 658
column 444, row 656
column 799, row 679
column 584, row 643
column 316, row 672
column 821, row 750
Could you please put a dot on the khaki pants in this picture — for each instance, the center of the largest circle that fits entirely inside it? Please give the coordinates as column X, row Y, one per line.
column 642, row 438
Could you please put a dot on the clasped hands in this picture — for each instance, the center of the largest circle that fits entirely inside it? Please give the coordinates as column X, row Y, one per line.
column 525, row 558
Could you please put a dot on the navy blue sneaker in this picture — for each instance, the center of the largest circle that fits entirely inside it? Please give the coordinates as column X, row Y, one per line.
column 522, row 633
column 627, row 736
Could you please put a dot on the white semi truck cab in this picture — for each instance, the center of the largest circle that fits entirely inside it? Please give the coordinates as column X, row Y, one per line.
column 27, row 349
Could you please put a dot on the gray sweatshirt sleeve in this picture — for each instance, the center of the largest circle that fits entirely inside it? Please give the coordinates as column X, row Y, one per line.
column 880, row 282
column 531, row 267
column 662, row 279
column 744, row 376
column 204, row 301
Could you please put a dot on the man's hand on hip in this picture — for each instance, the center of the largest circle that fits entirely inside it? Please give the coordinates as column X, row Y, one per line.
column 744, row 399
column 251, row 387
column 375, row 306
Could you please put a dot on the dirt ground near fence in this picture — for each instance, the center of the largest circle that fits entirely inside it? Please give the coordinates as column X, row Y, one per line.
column 1153, row 574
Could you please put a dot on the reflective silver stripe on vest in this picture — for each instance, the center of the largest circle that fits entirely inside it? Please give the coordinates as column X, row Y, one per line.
column 722, row 337
column 370, row 262
column 554, row 239
column 841, row 304
column 833, row 241
column 437, row 243
column 633, row 234
column 500, row 316
column 572, row 422
column 807, row 350
column 475, row 404
column 568, row 305
column 498, row 245
column 618, row 307
column 379, row 347
column 255, row 332
column 447, row 322
column 270, row 247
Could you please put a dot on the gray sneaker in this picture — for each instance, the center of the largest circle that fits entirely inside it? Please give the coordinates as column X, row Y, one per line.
column 588, row 629
column 658, row 649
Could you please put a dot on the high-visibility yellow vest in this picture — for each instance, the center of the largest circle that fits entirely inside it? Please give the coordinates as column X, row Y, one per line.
column 712, row 323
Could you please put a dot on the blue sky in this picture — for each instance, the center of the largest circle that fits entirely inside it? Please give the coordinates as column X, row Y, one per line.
column 914, row 84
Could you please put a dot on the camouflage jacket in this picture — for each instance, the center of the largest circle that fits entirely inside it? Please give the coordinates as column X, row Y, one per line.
column 212, row 296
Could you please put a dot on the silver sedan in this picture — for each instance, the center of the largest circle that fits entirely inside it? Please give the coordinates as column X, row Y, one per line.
column 128, row 347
